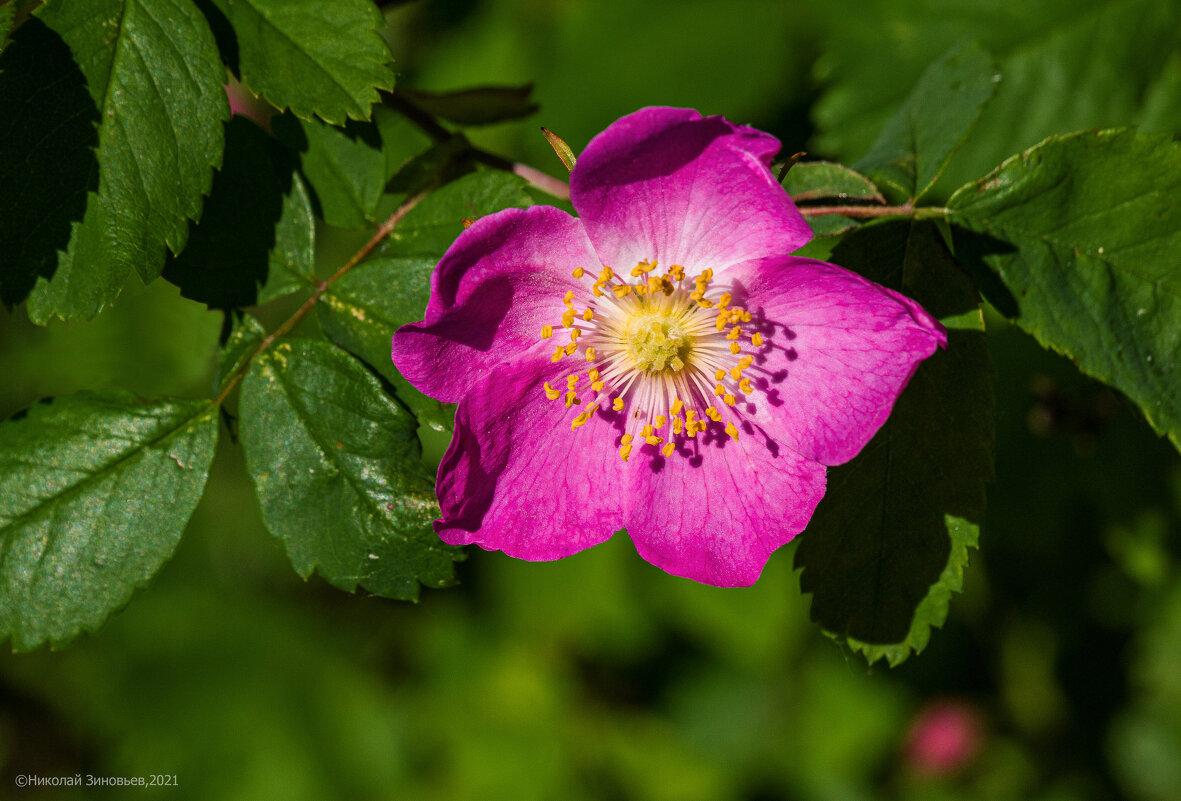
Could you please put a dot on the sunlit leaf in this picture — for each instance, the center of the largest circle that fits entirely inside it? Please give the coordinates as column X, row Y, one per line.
column 314, row 58
column 95, row 491
column 153, row 72
column 1084, row 231
column 336, row 464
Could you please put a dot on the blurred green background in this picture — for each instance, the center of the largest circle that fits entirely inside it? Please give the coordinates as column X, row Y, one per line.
column 1058, row 675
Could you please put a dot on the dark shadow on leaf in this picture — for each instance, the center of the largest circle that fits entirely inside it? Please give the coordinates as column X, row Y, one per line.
column 972, row 250
column 227, row 255
column 48, row 132
column 879, row 539
column 223, row 34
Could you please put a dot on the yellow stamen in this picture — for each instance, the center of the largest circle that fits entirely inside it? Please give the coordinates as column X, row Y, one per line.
column 572, row 399
column 646, row 431
column 736, row 373
column 719, row 391
column 735, row 332
column 570, row 348
column 580, row 421
column 547, row 331
column 713, row 414
column 568, row 318
column 678, row 425
column 558, row 354
column 617, row 405
column 626, row 439
column 654, row 440
column 746, row 361
column 551, row 393
column 720, row 374
column 746, row 386
column 622, row 291
column 732, row 431
column 757, row 339
column 579, row 272
column 625, row 452
column 597, row 289
column 660, row 421
column 593, row 374
column 730, row 399
column 590, row 354
column 735, row 348
column 569, row 298
column 588, row 315
column 571, row 380
column 677, row 406
column 724, row 300
column 575, row 334
column 668, row 449
column 597, row 386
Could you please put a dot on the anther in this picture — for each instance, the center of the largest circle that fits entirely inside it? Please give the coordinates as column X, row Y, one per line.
column 756, row 339
column 735, row 348
column 551, row 393
column 590, row 354
column 579, row 272
column 617, row 405
column 547, row 331
column 668, row 449
column 732, row 431
column 570, row 348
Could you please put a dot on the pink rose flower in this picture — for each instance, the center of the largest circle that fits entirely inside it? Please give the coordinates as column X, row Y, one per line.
column 660, row 363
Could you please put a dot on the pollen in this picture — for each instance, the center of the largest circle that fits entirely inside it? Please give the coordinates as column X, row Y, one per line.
column 662, row 348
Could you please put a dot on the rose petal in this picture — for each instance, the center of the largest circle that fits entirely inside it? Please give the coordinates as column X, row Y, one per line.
column 838, row 351
column 500, row 281
column 667, row 185
column 716, row 512
column 517, row 478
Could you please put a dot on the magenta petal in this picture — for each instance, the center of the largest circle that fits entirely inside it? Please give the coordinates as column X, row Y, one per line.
column 718, row 518
column 498, row 284
column 517, row 478
column 668, row 185
column 839, row 351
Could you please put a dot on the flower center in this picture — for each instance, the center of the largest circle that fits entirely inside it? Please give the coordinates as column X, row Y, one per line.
column 662, row 359
column 657, row 342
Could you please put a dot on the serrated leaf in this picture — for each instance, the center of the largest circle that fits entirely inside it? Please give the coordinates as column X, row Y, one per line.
column 888, row 544
column 336, row 464
column 325, row 59
column 1084, row 231
column 95, row 491
column 821, row 180
column 154, row 74
column 245, row 336
column 228, row 253
column 480, row 105
column 344, row 166
column 431, row 226
column 934, row 120
column 43, row 178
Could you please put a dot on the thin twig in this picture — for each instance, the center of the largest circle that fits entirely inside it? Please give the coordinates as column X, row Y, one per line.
column 859, row 211
column 383, row 230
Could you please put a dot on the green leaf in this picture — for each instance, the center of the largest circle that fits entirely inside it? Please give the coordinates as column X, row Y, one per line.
column 481, row 105
column 336, row 463
column 345, row 167
column 362, row 310
column 934, row 120
column 291, row 265
column 888, row 544
column 1084, row 231
column 246, row 335
column 1053, row 78
column 824, row 180
column 314, row 58
column 95, row 491
column 7, row 15
column 431, row 226
column 43, row 178
column 155, row 76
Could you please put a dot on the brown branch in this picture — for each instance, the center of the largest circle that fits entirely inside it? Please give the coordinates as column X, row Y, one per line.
column 383, row 230
column 858, row 211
